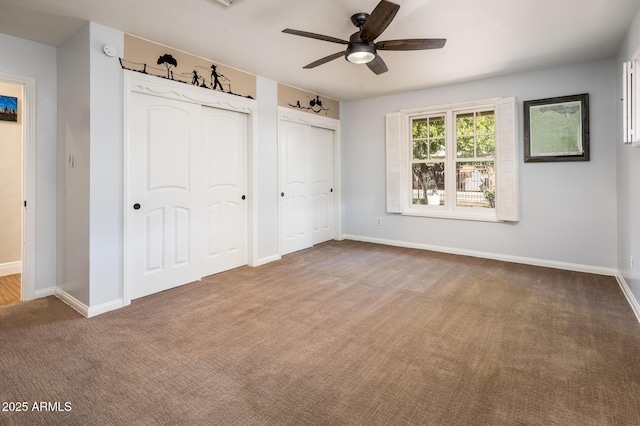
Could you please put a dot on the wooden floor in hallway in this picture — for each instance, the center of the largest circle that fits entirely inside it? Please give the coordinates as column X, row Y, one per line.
column 10, row 290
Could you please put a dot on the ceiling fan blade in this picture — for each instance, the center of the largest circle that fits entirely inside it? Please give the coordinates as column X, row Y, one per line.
column 379, row 20
column 324, row 60
column 377, row 65
column 412, row 44
column 314, row 35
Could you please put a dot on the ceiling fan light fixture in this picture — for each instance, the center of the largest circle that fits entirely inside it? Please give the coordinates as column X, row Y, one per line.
column 362, row 47
column 360, row 53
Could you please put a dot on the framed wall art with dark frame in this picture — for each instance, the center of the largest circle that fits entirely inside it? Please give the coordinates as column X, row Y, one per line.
column 556, row 129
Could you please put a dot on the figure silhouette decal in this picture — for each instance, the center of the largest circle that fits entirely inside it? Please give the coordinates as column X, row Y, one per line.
column 315, row 105
column 218, row 81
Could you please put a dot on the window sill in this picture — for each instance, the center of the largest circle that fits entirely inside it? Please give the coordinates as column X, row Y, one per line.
column 488, row 215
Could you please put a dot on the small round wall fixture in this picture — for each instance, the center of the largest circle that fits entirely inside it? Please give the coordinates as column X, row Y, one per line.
column 110, row 50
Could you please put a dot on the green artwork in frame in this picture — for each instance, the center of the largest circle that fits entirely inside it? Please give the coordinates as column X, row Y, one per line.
column 557, row 129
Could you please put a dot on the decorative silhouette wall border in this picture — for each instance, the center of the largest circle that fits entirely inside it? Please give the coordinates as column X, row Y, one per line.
column 215, row 81
column 315, row 105
column 150, row 58
column 311, row 103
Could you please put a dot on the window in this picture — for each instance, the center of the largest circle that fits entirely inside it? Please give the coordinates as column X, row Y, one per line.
column 428, row 163
column 457, row 161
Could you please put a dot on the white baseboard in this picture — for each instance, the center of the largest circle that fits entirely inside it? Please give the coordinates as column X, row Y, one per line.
column 635, row 306
column 72, row 301
column 86, row 310
column 494, row 256
column 10, row 268
column 105, row 307
column 633, row 302
column 77, row 305
column 268, row 259
column 45, row 292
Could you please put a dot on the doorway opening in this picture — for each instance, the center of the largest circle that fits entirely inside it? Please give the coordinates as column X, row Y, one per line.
column 11, row 120
column 17, row 187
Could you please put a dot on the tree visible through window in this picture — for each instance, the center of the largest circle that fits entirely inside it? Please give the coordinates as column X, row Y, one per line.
column 475, row 159
column 474, row 145
column 455, row 161
column 429, row 153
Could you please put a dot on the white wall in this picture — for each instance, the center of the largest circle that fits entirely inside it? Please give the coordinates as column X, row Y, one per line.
column 26, row 58
column 107, row 168
column 568, row 209
column 90, row 88
column 74, row 140
column 628, row 175
column 267, row 179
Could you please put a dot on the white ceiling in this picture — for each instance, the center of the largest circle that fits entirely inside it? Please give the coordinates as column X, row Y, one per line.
column 484, row 38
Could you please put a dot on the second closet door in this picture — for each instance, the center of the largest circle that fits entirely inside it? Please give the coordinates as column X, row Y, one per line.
column 306, row 179
column 295, row 187
column 224, row 135
column 322, row 184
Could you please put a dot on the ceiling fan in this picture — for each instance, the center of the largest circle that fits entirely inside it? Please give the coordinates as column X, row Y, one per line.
column 361, row 47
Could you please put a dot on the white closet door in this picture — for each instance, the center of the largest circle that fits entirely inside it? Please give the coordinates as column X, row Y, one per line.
column 322, row 184
column 295, row 187
column 225, row 159
column 164, row 194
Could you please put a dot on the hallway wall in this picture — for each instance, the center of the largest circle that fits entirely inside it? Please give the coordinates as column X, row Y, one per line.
column 11, row 186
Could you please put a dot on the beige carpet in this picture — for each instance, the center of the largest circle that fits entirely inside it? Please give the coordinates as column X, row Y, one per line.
column 344, row 333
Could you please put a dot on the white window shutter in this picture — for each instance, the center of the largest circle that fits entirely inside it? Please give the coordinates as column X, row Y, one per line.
column 394, row 140
column 507, row 192
column 628, row 113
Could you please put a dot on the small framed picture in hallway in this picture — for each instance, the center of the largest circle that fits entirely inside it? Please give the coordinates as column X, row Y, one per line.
column 8, row 108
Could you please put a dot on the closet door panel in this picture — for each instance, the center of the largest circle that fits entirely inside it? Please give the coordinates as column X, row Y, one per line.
column 163, row 194
column 186, row 193
column 225, row 146
column 322, row 184
column 295, row 185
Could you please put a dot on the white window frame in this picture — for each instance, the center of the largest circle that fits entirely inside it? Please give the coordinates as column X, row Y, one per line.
column 400, row 156
column 631, row 102
column 629, row 113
